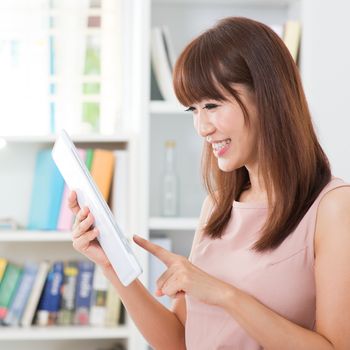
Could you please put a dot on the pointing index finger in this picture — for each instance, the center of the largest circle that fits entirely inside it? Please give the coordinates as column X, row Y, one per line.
column 161, row 253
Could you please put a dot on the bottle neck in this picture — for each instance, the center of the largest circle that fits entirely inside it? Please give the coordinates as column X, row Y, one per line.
column 169, row 159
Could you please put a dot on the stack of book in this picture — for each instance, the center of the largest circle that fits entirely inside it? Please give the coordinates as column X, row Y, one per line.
column 58, row 293
column 49, row 201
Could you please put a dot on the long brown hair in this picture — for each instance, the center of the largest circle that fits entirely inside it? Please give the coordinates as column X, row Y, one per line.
column 291, row 161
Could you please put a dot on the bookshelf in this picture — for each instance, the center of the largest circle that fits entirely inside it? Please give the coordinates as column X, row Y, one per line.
column 21, row 245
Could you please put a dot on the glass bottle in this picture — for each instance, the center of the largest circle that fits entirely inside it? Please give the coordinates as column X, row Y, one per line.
column 170, row 182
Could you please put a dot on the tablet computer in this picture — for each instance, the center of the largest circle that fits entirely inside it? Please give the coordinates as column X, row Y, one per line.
column 111, row 238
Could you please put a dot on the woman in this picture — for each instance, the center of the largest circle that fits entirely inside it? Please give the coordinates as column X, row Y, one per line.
column 270, row 261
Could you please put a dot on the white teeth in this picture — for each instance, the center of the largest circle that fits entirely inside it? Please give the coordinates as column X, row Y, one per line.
column 218, row 145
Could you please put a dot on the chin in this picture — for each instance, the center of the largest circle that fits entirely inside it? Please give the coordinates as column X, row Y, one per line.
column 227, row 166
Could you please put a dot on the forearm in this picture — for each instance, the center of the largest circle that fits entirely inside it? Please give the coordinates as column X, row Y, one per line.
column 271, row 331
column 160, row 327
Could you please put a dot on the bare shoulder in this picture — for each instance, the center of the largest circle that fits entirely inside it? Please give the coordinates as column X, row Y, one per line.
column 335, row 200
column 333, row 216
column 332, row 267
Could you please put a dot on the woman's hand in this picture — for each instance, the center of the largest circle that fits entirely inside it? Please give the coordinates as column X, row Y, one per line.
column 84, row 234
column 183, row 277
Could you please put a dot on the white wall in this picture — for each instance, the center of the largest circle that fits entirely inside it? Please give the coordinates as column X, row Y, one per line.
column 326, row 75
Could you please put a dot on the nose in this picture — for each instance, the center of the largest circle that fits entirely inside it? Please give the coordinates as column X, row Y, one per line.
column 203, row 125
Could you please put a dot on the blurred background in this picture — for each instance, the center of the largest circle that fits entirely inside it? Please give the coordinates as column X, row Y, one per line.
column 101, row 69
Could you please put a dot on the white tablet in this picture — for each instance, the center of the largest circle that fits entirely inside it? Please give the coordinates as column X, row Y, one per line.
column 111, row 238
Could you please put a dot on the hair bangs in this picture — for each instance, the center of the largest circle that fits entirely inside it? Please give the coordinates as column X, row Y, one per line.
column 196, row 74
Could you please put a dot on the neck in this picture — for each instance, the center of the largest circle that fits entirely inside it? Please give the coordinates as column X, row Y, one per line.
column 257, row 191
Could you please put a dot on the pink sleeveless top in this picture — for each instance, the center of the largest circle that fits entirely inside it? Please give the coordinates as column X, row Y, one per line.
column 283, row 279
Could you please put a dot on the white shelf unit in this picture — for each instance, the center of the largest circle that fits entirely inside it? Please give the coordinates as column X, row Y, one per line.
column 42, row 139
column 57, row 333
column 163, row 107
column 22, row 245
column 163, row 224
column 34, row 236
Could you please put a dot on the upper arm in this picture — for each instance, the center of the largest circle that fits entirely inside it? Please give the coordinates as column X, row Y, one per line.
column 332, row 267
column 179, row 304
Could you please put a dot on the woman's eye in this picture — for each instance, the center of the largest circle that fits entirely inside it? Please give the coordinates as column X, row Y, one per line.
column 190, row 109
column 210, row 106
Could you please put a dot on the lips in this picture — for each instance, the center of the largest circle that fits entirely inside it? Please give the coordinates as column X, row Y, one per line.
column 217, row 145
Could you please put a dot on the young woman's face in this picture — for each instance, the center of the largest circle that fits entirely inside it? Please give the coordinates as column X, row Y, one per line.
column 222, row 124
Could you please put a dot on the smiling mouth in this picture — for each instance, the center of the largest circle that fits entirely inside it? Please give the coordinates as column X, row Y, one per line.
column 218, row 146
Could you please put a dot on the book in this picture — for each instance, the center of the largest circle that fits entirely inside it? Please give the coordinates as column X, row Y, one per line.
column 156, row 268
column 8, row 287
column 113, row 306
column 119, row 194
column 292, row 36
column 66, row 312
column 66, row 217
column 89, row 157
column 47, row 193
column 83, row 292
column 98, row 308
column 169, row 47
column 3, row 264
column 161, row 66
column 102, row 168
column 34, row 297
column 50, row 299
column 21, row 296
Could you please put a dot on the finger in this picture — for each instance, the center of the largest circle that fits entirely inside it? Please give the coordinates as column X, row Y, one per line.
column 82, row 243
column 73, row 203
column 163, row 278
column 81, row 215
column 162, row 254
column 172, row 287
column 83, row 226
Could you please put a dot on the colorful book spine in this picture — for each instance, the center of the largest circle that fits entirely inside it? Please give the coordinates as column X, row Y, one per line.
column 98, row 306
column 102, row 171
column 161, row 66
column 38, row 286
column 50, row 300
column 3, row 264
column 89, row 158
column 113, row 306
column 8, row 288
column 21, row 297
column 66, row 313
column 83, row 292
column 119, row 197
column 66, row 217
column 47, row 193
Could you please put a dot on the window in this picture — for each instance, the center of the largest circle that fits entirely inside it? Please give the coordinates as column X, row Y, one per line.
column 60, row 66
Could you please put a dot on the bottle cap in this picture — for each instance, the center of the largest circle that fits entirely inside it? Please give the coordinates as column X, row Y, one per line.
column 170, row 144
